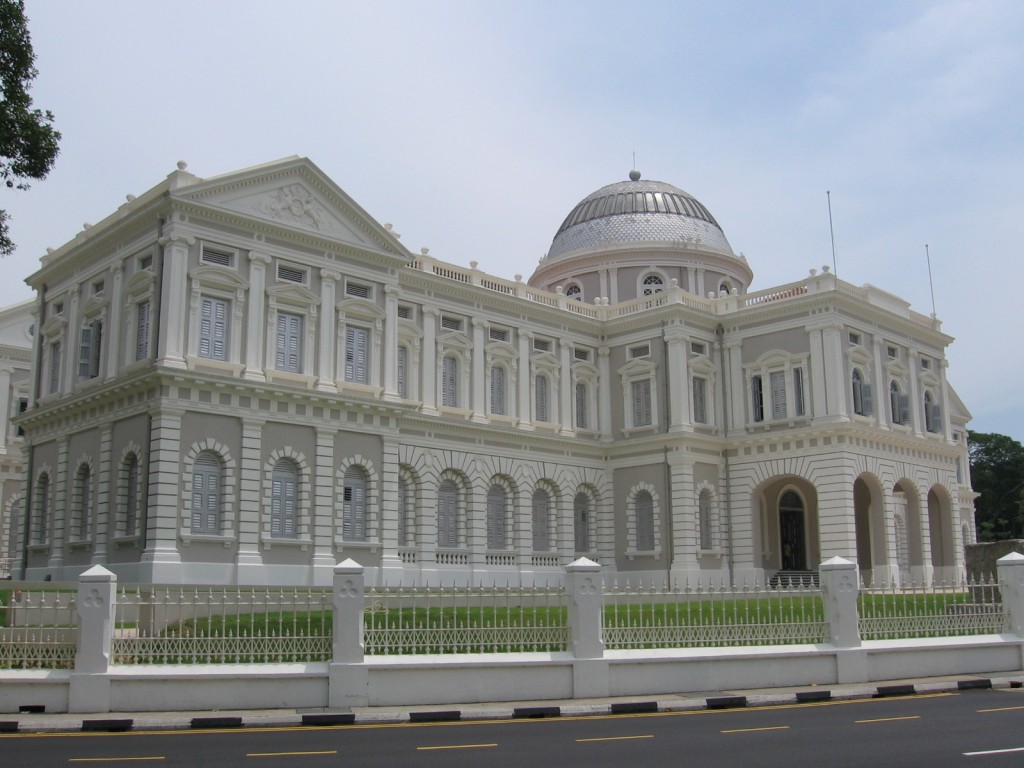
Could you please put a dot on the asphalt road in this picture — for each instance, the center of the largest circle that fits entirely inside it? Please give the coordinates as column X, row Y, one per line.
column 982, row 729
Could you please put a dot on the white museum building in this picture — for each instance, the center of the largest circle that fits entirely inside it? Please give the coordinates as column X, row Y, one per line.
column 247, row 379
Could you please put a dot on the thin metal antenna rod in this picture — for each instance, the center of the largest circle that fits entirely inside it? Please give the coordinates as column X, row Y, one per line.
column 931, row 285
column 832, row 233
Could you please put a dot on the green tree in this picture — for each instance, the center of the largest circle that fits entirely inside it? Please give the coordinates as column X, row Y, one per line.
column 28, row 140
column 997, row 474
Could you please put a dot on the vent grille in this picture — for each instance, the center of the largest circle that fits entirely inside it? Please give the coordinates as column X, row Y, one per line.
column 290, row 274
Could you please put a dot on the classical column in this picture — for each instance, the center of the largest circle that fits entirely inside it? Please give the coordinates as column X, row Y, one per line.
column 322, row 512
column 613, row 285
column 942, row 365
column 325, row 373
column 478, row 402
column 429, row 367
column 161, row 561
column 115, row 325
column 738, row 394
column 74, row 340
column 915, row 392
column 565, row 388
column 604, row 393
column 700, row 281
column 835, row 376
column 5, row 405
column 691, row 279
column 58, row 531
column 248, row 561
column 391, row 342
column 106, row 497
column 881, row 390
column 683, row 556
column 174, row 307
column 255, row 319
column 678, row 380
column 525, row 380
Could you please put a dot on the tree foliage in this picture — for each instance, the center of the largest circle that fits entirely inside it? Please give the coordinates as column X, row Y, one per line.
column 997, row 474
column 28, row 140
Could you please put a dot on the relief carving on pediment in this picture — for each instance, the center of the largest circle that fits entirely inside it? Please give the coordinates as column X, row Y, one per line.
column 293, row 204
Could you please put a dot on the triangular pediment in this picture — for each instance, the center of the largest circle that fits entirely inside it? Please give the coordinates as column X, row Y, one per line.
column 295, row 194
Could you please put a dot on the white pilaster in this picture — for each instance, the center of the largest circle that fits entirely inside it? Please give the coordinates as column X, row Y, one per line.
column 173, row 299
column 678, row 380
column 115, row 324
column 325, row 378
column 428, row 370
column 391, row 342
column 256, row 319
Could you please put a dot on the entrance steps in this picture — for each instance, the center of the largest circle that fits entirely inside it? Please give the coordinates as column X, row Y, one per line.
column 793, row 578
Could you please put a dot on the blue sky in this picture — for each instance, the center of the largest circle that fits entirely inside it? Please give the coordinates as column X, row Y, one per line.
column 474, row 127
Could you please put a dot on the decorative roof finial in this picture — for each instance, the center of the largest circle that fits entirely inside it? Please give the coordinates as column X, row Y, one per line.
column 634, row 175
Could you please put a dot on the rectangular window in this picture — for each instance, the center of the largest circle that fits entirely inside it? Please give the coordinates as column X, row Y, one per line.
column 213, row 328
column 146, row 261
column 642, row 351
column 855, row 338
column 641, row 391
column 700, row 400
column 581, row 354
column 288, row 342
column 778, row 384
column 698, row 348
column 541, row 345
column 892, row 352
column 90, row 344
column 142, row 330
column 357, row 350
column 404, row 312
column 97, row 287
column 498, row 334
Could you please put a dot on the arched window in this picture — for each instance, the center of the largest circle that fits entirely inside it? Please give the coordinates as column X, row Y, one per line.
column 705, row 520
column 541, row 521
column 284, row 486
column 652, row 284
column 406, row 524
column 353, row 513
column 581, row 523
column 130, row 485
column 83, row 503
column 41, row 510
column 644, row 510
column 449, row 381
column 574, row 292
column 207, row 477
column 497, row 505
column 448, row 515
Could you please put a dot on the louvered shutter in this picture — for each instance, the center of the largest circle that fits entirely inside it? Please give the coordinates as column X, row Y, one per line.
column 700, row 414
column 84, row 352
column 447, row 515
column 757, row 398
column 498, row 390
column 55, row 353
column 641, row 403
column 142, row 331
column 581, row 405
column 778, row 385
column 581, row 523
column 644, row 522
column 541, row 392
column 449, row 394
column 867, row 396
column 541, row 521
column 403, row 390
column 496, row 518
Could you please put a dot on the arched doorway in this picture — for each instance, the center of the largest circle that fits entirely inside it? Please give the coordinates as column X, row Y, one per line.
column 792, row 532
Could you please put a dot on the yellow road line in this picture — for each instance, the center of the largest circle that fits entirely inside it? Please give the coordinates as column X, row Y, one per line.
column 889, row 719
column 752, row 730
column 618, row 738
column 111, row 759
column 290, row 754
column 457, row 746
column 998, row 709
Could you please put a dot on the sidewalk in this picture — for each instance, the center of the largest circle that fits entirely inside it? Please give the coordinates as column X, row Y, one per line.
column 43, row 722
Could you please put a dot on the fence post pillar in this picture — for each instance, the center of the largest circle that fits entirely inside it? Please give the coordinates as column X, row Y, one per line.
column 89, row 689
column 348, row 681
column 1011, row 589
column 839, row 590
column 583, row 583
column 590, row 674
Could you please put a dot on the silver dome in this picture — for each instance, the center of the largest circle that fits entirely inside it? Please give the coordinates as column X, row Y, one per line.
column 637, row 211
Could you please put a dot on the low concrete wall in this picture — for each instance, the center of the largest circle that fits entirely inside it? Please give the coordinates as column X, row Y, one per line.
column 444, row 680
